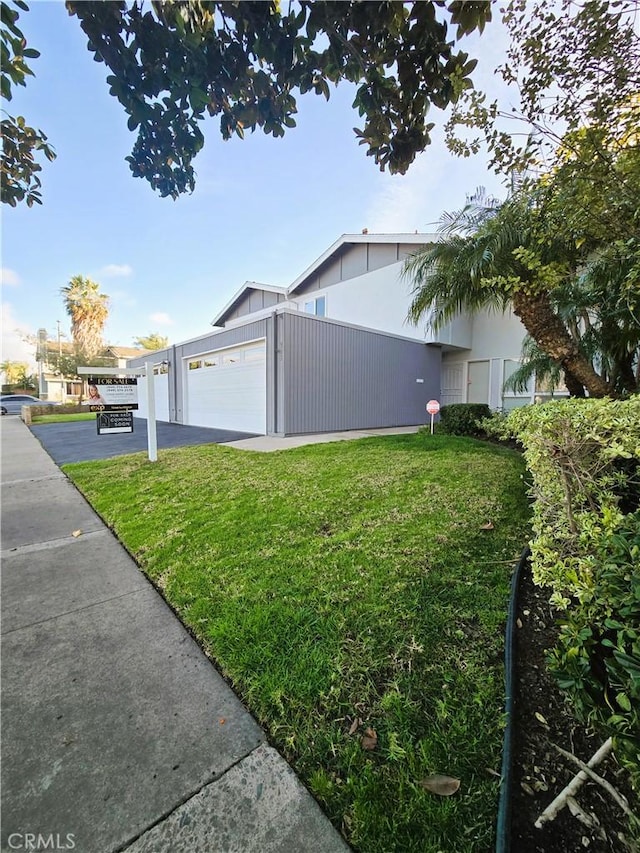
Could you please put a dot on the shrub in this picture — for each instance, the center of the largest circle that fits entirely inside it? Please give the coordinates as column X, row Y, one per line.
column 597, row 659
column 463, row 418
column 584, row 458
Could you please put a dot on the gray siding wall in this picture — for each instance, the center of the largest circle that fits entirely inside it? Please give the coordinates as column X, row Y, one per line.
column 218, row 340
column 255, row 300
column 337, row 377
column 355, row 259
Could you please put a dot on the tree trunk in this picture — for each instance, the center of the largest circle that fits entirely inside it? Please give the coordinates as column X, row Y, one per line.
column 574, row 386
column 551, row 335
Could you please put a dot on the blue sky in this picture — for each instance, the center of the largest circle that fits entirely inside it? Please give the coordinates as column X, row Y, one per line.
column 263, row 208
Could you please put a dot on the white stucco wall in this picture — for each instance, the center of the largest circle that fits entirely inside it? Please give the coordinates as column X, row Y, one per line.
column 380, row 299
column 496, row 334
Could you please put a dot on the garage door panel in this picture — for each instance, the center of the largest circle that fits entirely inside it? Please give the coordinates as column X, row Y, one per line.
column 229, row 396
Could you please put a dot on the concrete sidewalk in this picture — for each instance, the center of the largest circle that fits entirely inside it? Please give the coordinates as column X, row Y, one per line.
column 118, row 733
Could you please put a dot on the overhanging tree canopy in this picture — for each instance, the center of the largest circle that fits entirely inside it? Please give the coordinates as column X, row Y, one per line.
column 172, row 63
column 20, row 143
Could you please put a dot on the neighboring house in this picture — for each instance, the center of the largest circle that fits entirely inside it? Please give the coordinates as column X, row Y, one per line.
column 69, row 389
column 53, row 386
column 334, row 351
column 120, row 356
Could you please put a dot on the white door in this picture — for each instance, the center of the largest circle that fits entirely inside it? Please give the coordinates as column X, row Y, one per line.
column 227, row 389
column 162, row 396
column 478, row 382
column 451, row 384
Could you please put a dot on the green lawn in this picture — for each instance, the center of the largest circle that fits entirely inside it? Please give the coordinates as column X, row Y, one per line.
column 62, row 419
column 343, row 582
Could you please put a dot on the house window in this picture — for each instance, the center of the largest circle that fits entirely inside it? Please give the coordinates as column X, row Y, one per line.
column 255, row 353
column 232, row 357
column 317, row 306
column 195, row 365
column 212, row 361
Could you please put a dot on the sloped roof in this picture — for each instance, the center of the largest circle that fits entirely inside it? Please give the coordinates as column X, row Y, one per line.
column 126, row 352
column 59, row 346
column 239, row 296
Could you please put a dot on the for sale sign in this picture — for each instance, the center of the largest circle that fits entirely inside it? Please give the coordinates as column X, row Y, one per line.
column 112, row 394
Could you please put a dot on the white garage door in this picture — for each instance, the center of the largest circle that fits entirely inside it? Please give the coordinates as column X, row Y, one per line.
column 227, row 389
column 162, row 396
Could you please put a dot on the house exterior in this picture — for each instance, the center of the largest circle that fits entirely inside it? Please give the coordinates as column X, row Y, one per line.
column 334, row 351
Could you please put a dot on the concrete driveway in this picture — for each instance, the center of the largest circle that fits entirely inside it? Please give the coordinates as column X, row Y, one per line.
column 78, row 441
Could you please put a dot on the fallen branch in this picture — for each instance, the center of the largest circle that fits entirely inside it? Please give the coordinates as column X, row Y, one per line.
column 552, row 810
column 589, row 820
column 608, row 787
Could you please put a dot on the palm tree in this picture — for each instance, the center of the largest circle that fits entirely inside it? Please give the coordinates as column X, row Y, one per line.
column 88, row 309
column 494, row 255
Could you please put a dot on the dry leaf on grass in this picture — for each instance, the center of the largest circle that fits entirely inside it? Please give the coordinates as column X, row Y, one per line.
column 369, row 739
column 487, row 526
column 443, row 786
column 354, row 726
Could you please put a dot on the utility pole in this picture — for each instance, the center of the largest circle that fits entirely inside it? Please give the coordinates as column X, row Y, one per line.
column 40, row 356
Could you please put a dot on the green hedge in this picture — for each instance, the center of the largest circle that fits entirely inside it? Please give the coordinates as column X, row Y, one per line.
column 463, row 418
column 584, row 457
column 64, row 409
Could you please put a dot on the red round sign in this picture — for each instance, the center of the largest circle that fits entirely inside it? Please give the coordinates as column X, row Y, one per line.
column 433, row 407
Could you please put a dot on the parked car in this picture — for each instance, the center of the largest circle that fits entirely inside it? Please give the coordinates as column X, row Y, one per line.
column 10, row 404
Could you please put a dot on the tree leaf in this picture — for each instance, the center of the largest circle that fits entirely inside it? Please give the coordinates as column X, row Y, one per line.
column 443, row 786
column 369, row 739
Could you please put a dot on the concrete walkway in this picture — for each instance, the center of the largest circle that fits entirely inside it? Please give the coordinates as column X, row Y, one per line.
column 118, row 733
column 269, row 443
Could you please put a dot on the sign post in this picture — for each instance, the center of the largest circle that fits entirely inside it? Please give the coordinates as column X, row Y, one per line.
column 433, row 407
column 152, row 434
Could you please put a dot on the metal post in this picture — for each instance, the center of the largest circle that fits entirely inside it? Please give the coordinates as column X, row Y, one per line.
column 152, row 436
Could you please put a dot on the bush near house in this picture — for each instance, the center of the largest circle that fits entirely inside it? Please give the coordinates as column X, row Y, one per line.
column 584, row 457
column 463, row 418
